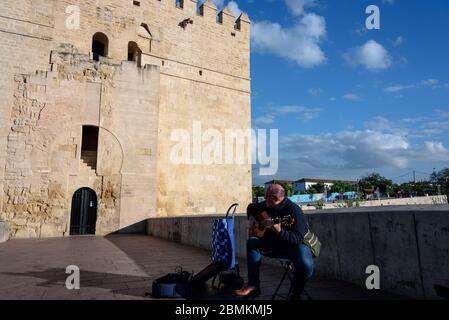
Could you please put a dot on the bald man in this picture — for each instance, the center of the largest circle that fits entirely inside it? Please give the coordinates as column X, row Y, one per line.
column 278, row 242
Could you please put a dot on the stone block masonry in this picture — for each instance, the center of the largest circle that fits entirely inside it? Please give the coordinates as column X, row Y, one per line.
column 52, row 89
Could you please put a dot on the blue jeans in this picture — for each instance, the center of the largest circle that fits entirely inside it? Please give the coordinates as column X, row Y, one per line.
column 300, row 255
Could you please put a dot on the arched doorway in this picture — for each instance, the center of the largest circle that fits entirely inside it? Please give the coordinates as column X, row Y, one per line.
column 84, row 212
column 100, row 44
column 134, row 52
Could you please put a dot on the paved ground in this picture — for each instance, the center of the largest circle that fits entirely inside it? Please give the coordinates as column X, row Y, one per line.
column 123, row 267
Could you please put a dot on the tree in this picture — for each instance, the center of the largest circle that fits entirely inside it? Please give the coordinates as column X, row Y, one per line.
column 376, row 181
column 288, row 189
column 320, row 187
column 422, row 188
column 442, row 179
column 258, row 192
column 342, row 187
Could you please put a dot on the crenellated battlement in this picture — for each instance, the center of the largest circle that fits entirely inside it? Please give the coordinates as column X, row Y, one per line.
column 167, row 29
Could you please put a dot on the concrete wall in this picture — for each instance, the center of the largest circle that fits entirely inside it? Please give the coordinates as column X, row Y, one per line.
column 4, row 231
column 410, row 245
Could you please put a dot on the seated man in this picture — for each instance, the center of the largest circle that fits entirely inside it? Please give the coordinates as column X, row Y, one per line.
column 278, row 242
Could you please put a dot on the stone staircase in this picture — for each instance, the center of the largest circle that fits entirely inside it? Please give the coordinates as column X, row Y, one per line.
column 88, row 162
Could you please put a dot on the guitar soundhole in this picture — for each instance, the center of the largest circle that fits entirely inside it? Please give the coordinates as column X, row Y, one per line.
column 258, row 225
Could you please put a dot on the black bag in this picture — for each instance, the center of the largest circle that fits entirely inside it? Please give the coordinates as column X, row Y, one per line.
column 229, row 279
column 173, row 285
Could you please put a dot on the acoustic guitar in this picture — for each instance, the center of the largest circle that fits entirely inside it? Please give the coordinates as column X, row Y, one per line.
column 260, row 222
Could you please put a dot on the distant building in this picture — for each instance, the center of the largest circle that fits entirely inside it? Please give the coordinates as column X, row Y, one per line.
column 306, row 184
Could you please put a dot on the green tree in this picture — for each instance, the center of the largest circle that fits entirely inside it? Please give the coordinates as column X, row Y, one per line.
column 374, row 181
column 320, row 187
column 441, row 179
column 258, row 192
column 288, row 189
column 421, row 188
column 342, row 187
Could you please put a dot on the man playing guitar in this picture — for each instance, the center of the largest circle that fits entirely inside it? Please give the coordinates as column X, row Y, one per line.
column 283, row 238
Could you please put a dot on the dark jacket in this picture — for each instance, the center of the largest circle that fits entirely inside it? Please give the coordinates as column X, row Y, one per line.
column 293, row 235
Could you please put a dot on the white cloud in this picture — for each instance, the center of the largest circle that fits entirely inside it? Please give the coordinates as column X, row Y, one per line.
column 388, row 1
column 441, row 86
column 429, row 82
column 442, row 113
column 363, row 150
column 384, row 144
column 290, row 109
column 300, row 43
column 304, row 114
column 372, row 55
column 352, row 97
column 266, row 119
column 349, row 149
column 385, row 125
column 219, row 3
column 297, row 6
column 398, row 88
column 431, row 150
column 315, row 91
column 379, row 123
column 234, row 7
column 398, row 41
column 421, row 84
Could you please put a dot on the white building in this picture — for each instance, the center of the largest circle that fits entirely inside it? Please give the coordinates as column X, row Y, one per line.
column 306, row 184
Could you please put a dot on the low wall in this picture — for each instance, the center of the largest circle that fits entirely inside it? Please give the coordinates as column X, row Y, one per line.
column 410, row 245
column 4, row 231
column 431, row 200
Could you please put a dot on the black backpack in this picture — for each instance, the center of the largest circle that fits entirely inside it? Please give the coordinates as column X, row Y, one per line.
column 173, row 285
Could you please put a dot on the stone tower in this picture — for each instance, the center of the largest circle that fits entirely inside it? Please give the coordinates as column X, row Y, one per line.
column 88, row 111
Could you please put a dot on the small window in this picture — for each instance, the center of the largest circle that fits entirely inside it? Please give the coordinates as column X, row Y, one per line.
column 220, row 17
column 179, row 4
column 134, row 52
column 201, row 72
column 238, row 25
column 200, row 10
column 136, row 3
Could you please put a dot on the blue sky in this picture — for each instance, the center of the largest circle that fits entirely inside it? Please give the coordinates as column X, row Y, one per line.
column 349, row 101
